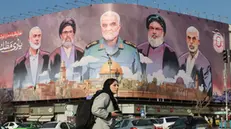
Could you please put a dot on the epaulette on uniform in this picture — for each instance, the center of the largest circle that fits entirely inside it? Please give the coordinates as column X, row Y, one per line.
column 92, row 44
column 130, row 43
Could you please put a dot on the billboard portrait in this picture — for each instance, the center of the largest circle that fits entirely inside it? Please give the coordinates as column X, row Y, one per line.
column 153, row 53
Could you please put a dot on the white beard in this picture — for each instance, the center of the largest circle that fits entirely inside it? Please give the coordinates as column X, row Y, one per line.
column 67, row 44
column 110, row 36
column 194, row 49
column 155, row 42
column 34, row 46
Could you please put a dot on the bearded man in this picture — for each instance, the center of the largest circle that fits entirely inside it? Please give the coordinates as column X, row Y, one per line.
column 67, row 53
column 111, row 46
column 162, row 55
column 195, row 63
column 34, row 62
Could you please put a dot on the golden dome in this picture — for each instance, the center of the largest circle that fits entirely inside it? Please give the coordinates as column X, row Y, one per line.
column 115, row 68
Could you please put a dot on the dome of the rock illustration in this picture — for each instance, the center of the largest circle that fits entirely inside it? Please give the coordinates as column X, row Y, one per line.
column 114, row 66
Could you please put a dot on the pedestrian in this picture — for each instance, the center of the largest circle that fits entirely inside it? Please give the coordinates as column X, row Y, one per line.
column 105, row 107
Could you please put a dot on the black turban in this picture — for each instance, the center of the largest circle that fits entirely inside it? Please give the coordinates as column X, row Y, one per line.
column 67, row 22
column 156, row 18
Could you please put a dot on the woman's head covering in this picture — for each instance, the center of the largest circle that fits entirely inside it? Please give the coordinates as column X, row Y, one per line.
column 107, row 84
column 107, row 89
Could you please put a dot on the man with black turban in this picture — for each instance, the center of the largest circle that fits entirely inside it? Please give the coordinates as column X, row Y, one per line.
column 162, row 55
column 67, row 53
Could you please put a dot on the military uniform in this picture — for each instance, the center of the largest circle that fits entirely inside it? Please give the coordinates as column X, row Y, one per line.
column 124, row 53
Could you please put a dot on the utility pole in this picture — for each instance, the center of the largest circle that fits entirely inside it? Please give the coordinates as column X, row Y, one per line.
column 226, row 55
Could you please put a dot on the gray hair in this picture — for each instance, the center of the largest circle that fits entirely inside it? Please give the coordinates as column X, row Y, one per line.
column 110, row 13
column 32, row 29
column 193, row 29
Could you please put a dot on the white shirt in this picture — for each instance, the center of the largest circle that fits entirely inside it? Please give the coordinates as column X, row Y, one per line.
column 67, row 51
column 34, row 66
column 190, row 63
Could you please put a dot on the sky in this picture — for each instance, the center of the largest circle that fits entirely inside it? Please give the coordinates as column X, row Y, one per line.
column 12, row 10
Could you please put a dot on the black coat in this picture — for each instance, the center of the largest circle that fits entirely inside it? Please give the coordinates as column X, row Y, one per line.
column 169, row 59
column 22, row 69
column 55, row 61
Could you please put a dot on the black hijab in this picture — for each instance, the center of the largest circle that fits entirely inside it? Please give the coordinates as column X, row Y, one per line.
column 106, row 89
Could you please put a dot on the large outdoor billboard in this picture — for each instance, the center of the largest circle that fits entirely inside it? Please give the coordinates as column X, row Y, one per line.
column 153, row 53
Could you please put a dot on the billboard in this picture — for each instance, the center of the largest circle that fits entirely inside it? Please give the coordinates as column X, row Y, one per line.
column 153, row 53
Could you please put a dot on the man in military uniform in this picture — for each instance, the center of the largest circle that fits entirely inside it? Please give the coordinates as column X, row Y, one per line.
column 112, row 46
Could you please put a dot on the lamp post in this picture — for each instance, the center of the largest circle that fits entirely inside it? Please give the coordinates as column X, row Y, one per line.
column 226, row 60
column 226, row 95
column 226, row 89
column 226, row 56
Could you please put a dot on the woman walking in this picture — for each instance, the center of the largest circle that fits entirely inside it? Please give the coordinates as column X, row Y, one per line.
column 105, row 107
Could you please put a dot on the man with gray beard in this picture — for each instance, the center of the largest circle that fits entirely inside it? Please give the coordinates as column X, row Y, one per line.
column 162, row 55
column 67, row 53
column 33, row 63
column 195, row 63
column 112, row 46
